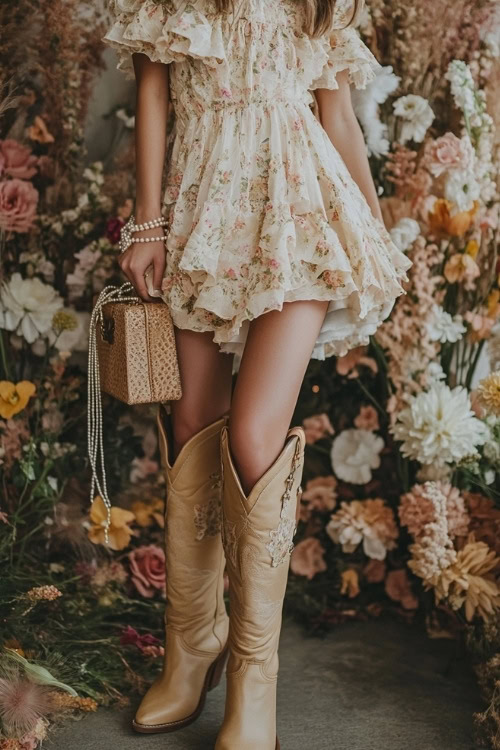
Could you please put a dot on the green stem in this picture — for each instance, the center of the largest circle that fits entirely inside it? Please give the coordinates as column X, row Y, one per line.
column 4, row 357
column 472, row 367
column 371, row 398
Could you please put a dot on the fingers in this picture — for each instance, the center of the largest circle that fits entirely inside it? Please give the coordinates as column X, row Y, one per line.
column 158, row 270
column 134, row 263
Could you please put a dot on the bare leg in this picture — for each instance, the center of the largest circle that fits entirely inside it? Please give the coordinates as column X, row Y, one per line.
column 276, row 355
column 206, row 377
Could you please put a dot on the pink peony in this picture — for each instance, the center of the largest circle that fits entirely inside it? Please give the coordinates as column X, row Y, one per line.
column 18, row 202
column 147, row 568
column 397, row 587
column 307, row 558
column 16, row 160
column 317, row 427
column 367, row 419
column 448, row 152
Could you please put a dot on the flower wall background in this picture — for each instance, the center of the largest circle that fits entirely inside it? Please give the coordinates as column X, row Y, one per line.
column 400, row 511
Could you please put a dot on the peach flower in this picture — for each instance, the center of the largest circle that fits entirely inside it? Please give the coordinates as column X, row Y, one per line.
column 397, row 588
column 316, row 427
column 461, row 267
column 307, row 558
column 448, row 152
column 18, row 203
column 39, row 131
column 16, row 160
column 320, row 494
column 348, row 365
column 367, row 419
column 480, row 325
column 374, row 571
column 147, row 568
column 416, row 510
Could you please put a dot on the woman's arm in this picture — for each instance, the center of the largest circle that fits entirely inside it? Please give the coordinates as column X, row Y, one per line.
column 152, row 100
column 338, row 119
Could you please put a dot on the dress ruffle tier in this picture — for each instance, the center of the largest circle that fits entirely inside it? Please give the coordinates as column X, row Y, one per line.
column 262, row 209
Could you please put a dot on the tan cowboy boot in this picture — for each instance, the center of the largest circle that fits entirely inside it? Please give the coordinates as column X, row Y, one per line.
column 257, row 534
column 195, row 617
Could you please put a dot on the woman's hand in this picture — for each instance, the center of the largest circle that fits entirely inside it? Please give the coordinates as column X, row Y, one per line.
column 139, row 256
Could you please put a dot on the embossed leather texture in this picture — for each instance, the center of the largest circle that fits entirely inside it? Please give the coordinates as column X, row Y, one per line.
column 137, row 354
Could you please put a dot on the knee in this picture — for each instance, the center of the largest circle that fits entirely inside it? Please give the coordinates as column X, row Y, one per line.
column 185, row 426
column 253, row 449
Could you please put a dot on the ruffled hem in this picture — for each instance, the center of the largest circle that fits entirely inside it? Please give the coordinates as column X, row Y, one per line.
column 164, row 37
column 345, row 51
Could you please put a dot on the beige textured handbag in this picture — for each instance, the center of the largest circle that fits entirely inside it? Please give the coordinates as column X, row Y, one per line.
column 132, row 356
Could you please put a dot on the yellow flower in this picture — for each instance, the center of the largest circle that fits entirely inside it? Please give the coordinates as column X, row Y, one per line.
column 461, row 267
column 494, row 303
column 488, row 392
column 119, row 532
column 14, row 396
column 350, row 583
column 472, row 248
column 469, row 581
column 146, row 513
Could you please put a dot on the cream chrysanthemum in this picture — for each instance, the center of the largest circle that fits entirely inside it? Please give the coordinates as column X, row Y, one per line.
column 488, row 392
column 368, row 521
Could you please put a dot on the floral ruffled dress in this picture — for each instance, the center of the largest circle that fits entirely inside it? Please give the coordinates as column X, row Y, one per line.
column 262, row 209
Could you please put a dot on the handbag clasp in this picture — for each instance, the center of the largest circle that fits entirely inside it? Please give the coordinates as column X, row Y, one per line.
column 108, row 329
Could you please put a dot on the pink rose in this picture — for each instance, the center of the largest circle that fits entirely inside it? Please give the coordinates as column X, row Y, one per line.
column 18, row 202
column 317, row 427
column 397, row 587
column 307, row 558
column 147, row 568
column 367, row 419
column 16, row 160
column 448, row 152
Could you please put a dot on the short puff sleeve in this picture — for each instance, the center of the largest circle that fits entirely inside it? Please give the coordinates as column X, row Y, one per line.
column 167, row 31
column 346, row 51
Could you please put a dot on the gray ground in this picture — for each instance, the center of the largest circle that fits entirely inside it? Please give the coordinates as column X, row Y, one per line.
column 377, row 685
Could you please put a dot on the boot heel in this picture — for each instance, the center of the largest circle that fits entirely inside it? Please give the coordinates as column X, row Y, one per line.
column 217, row 669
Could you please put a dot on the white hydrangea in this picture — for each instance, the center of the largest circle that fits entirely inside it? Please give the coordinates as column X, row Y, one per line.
column 27, row 306
column 404, row 233
column 441, row 326
column 462, row 189
column 354, row 454
column 417, row 116
column 366, row 104
column 438, row 426
column 462, row 87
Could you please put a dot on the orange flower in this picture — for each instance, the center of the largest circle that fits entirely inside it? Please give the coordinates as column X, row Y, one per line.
column 119, row 533
column 14, row 397
column 494, row 303
column 146, row 513
column 350, row 583
column 441, row 220
column 461, row 267
column 472, row 248
column 39, row 131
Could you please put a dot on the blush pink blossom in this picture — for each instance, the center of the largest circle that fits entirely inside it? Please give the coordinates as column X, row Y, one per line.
column 307, row 558
column 397, row 588
column 147, row 569
column 348, row 365
column 416, row 510
column 16, row 160
column 320, row 494
column 316, row 427
column 448, row 152
column 18, row 203
column 367, row 419
column 481, row 325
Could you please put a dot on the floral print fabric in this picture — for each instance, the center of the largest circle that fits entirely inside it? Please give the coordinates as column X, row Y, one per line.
column 262, row 209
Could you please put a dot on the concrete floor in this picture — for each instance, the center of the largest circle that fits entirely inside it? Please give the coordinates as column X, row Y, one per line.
column 376, row 685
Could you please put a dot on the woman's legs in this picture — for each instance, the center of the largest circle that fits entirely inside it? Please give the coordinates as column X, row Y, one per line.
column 206, row 376
column 276, row 355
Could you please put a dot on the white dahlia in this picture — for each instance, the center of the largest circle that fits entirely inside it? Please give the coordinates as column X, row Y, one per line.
column 441, row 326
column 404, row 233
column 439, row 427
column 354, row 454
column 417, row 116
column 366, row 105
column 27, row 306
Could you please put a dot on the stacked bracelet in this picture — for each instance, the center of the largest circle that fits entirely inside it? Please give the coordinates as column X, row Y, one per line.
column 126, row 233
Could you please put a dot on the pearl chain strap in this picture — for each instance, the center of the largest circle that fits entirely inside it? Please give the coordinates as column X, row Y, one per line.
column 126, row 234
column 94, row 407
